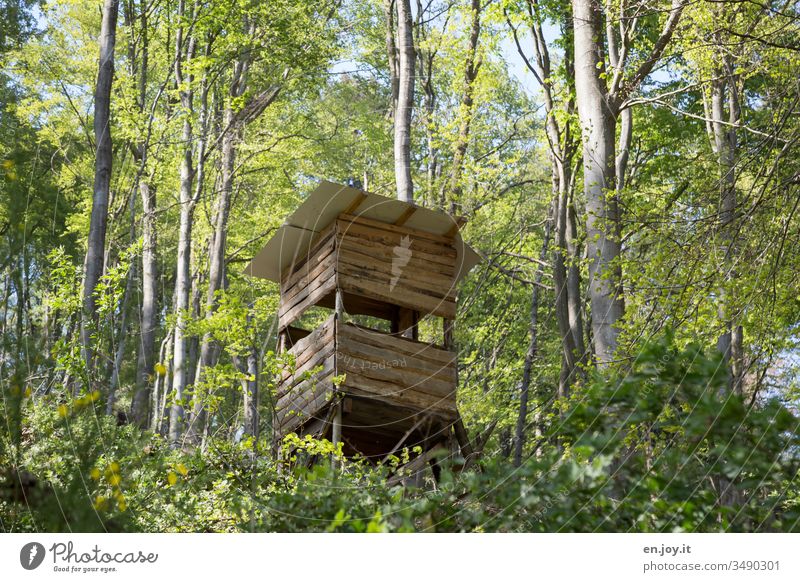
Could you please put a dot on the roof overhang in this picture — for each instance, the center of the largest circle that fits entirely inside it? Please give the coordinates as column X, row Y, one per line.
column 293, row 239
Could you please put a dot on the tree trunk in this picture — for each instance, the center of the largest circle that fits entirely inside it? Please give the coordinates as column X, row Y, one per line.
column 182, row 293
column 563, row 147
column 426, row 59
column 471, row 66
column 122, row 335
column 391, row 53
column 251, row 420
column 405, row 102
column 574, row 302
column 145, row 362
column 102, row 176
column 569, row 348
column 188, row 201
column 598, row 125
column 149, row 306
column 533, row 348
column 232, row 128
column 724, row 144
column 216, row 265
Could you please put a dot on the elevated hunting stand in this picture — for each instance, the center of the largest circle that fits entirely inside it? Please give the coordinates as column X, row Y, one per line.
column 387, row 264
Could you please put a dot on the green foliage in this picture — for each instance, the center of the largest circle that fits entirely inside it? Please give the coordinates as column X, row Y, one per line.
column 660, row 448
column 655, row 445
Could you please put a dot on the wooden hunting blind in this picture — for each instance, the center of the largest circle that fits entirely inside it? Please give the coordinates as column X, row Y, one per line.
column 360, row 254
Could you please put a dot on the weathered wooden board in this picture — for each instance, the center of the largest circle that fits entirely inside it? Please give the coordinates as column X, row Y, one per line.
column 385, row 263
column 300, row 399
column 398, row 265
column 320, row 240
column 398, row 371
column 300, row 406
column 320, row 340
column 401, row 230
column 309, row 296
column 309, row 279
column 402, row 346
column 382, row 243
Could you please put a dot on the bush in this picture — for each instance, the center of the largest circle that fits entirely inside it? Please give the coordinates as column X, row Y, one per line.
column 662, row 447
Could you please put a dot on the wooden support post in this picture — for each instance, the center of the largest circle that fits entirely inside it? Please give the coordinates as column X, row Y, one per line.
column 336, row 435
column 336, row 429
column 336, row 421
column 339, row 304
column 448, row 332
column 407, row 323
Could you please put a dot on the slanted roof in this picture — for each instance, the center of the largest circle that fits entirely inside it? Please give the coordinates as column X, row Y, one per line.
column 292, row 240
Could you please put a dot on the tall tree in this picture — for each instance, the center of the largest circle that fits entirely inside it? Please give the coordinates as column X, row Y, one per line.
column 599, row 105
column 95, row 250
column 723, row 113
column 406, row 76
column 233, row 123
column 562, row 142
column 138, row 57
column 533, row 347
column 472, row 64
column 185, row 45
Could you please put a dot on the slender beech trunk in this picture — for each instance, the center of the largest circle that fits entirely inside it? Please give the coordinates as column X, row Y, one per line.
column 471, row 67
column 147, row 327
column 193, row 343
column 217, row 276
column 216, row 264
column 145, row 364
column 250, row 387
column 599, row 108
column 391, row 53
column 4, row 329
column 102, row 176
column 405, row 102
column 563, row 148
column 426, row 60
column 623, row 148
column 598, row 124
column 533, row 347
column 725, row 117
column 161, row 385
column 188, row 202
column 182, row 292
column 122, row 335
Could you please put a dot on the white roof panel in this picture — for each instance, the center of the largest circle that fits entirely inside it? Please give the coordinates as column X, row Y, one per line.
column 328, row 201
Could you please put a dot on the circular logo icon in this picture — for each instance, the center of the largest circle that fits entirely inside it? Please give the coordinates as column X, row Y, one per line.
column 31, row 555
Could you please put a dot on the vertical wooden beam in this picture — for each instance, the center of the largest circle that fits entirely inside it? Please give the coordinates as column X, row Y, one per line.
column 336, row 433
column 339, row 306
column 408, row 322
column 336, row 429
column 448, row 333
column 336, row 421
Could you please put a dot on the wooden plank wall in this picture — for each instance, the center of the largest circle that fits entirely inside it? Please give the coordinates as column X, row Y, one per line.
column 397, row 371
column 299, row 399
column 395, row 264
column 381, row 367
column 310, row 279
